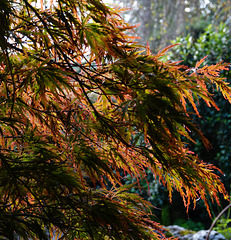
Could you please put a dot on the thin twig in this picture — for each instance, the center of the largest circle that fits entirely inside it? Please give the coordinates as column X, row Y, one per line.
column 216, row 219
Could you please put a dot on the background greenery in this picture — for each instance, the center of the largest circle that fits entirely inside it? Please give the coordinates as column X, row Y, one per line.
column 163, row 20
column 214, row 42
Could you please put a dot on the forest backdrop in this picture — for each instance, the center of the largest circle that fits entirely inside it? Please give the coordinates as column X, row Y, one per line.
column 202, row 28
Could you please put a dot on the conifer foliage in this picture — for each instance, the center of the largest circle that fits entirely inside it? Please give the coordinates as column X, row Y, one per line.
column 81, row 106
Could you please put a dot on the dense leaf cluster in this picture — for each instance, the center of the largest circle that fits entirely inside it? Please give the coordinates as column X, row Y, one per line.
column 80, row 100
column 215, row 43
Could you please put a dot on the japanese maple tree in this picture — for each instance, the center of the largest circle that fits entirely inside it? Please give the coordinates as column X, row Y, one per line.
column 82, row 104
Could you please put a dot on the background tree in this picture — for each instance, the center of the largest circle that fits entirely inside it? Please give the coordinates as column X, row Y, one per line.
column 194, row 18
column 216, row 44
column 163, row 20
column 79, row 101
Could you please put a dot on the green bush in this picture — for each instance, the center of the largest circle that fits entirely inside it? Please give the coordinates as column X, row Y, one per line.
column 216, row 125
column 189, row 224
column 224, row 227
column 215, row 43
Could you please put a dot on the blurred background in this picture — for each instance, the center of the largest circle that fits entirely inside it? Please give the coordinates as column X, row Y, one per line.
column 202, row 27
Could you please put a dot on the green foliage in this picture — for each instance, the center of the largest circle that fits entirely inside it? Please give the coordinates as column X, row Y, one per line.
column 223, row 227
column 163, row 21
column 216, row 44
column 222, row 222
column 165, row 216
column 213, row 42
column 189, row 224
